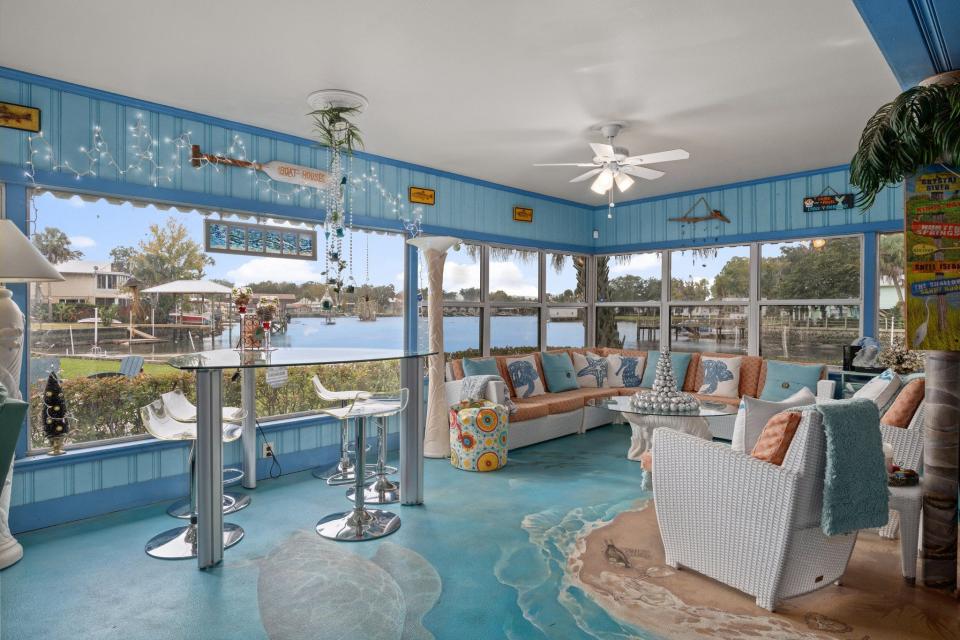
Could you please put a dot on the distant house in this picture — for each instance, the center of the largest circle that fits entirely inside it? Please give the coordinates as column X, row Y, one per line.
column 87, row 282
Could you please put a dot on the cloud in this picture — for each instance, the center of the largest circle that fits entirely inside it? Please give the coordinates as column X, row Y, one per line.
column 82, row 242
column 76, row 201
column 276, row 269
column 504, row 276
column 639, row 263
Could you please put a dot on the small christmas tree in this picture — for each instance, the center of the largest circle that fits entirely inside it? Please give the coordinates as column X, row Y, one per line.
column 55, row 423
column 665, row 397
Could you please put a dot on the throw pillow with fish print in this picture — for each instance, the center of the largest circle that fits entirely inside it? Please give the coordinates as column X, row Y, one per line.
column 721, row 377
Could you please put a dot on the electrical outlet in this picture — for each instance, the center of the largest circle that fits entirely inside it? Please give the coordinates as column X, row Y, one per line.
column 267, row 450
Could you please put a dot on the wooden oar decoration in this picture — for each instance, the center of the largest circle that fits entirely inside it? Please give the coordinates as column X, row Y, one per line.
column 712, row 214
column 276, row 170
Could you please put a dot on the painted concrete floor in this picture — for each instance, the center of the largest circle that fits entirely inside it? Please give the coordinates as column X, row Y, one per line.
column 500, row 570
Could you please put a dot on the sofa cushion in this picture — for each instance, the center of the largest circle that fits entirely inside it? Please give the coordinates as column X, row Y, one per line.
column 901, row 412
column 525, row 376
column 776, row 437
column 480, row 367
column 881, row 389
column 558, row 371
column 591, row 370
column 721, row 376
column 529, row 409
column 781, row 380
column 624, row 370
column 680, row 362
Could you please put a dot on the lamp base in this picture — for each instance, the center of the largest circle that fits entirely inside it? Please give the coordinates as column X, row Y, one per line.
column 11, row 356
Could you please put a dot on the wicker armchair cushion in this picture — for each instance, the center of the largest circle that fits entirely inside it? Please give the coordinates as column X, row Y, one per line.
column 775, row 440
column 881, row 390
column 905, row 406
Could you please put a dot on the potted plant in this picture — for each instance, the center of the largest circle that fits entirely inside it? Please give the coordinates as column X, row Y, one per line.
column 334, row 128
column 919, row 127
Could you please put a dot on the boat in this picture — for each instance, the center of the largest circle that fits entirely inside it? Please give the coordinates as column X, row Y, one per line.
column 189, row 318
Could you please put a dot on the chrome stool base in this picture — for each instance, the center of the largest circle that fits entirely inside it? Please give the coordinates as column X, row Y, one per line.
column 347, row 477
column 181, row 543
column 232, row 502
column 356, row 526
column 382, row 491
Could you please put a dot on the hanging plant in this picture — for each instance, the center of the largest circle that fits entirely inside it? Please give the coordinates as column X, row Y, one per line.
column 334, row 128
column 919, row 127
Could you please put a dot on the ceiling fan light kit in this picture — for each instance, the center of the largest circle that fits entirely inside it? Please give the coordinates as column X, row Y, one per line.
column 614, row 165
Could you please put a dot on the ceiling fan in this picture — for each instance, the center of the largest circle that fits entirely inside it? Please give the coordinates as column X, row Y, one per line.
column 615, row 164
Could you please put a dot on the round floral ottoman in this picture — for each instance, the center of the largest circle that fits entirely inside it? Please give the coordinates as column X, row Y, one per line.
column 478, row 436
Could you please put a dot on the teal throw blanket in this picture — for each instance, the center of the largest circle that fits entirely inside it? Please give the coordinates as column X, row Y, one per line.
column 855, row 494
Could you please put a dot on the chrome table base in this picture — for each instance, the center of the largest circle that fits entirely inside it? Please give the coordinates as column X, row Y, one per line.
column 181, row 543
column 383, row 491
column 232, row 502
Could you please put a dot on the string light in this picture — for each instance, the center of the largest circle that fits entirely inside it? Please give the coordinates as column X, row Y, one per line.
column 411, row 219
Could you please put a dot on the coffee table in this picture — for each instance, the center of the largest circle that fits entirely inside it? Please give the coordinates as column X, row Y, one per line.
column 643, row 422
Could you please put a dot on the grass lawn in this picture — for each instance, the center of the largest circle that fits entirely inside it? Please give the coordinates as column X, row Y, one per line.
column 79, row 367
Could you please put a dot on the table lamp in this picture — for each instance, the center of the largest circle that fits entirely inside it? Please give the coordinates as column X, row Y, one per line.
column 19, row 262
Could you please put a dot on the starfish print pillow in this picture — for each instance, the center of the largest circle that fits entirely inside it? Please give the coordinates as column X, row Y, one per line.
column 592, row 370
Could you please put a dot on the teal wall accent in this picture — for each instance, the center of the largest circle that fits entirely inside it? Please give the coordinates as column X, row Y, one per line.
column 771, row 208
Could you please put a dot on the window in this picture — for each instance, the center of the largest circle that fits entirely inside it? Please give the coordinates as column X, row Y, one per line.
column 79, row 327
column 710, row 273
column 713, row 328
column 565, row 278
column 890, row 302
column 566, row 327
column 514, row 275
column 629, row 278
column 461, row 274
column 514, row 330
column 808, row 333
column 628, row 327
column 461, row 331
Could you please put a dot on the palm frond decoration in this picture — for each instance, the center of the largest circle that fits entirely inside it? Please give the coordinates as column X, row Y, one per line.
column 919, row 127
column 334, row 128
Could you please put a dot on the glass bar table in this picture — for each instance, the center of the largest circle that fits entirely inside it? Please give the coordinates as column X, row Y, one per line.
column 209, row 367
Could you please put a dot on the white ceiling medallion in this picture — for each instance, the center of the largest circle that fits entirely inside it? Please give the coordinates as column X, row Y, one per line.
column 325, row 98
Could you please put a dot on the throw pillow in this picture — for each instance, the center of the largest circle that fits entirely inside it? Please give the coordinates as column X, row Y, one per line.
column 881, row 389
column 558, row 370
column 624, row 371
column 524, row 377
column 721, row 377
column 591, row 369
column 680, row 362
column 485, row 367
column 753, row 415
column 785, row 378
column 776, row 437
column 901, row 412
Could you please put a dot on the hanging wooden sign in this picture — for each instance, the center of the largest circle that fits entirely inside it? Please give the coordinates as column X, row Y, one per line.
column 275, row 169
column 422, row 195
column 522, row 214
column 932, row 236
column 828, row 200
column 712, row 214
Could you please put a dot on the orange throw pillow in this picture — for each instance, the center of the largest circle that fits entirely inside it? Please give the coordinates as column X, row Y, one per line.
column 776, row 437
column 901, row 411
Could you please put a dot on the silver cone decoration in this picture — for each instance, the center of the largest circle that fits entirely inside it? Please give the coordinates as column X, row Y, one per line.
column 664, row 397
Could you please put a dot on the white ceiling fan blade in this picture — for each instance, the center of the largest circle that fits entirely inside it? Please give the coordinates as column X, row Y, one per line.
column 660, row 156
column 566, row 164
column 588, row 174
column 623, row 181
column 643, row 172
column 601, row 150
column 603, row 182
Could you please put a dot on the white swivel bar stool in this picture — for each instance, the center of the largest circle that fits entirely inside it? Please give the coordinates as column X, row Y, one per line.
column 361, row 523
column 181, row 542
column 342, row 472
column 181, row 409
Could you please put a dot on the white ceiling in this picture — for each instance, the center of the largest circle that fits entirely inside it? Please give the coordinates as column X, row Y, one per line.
column 751, row 88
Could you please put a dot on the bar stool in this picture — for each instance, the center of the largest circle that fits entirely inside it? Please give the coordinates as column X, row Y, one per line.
column 342, row 472
column 181, row 409
column 361, row 523
column 181, row 542
column 382, row 490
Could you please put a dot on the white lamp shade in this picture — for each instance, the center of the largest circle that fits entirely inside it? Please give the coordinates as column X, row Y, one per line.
column 20, row 261
column 603, row 182
column 437, row 243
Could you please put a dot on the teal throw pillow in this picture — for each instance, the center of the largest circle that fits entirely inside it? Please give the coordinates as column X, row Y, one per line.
column 680, row 362
column 485, row 367
column 786, row 378
column 558, row 369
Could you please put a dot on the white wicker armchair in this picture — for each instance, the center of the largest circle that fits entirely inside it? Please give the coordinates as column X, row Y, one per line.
column 908, row 453
column 747, row 523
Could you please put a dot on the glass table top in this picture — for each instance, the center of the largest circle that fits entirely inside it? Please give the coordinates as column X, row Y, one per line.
column 623, row 405
column 286, row 357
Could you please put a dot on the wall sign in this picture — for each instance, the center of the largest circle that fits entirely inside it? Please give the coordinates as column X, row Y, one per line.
column 275, row 169
column 18, row 116
column 828, row 201
column 932, row 234
column 522, row 214
column 259, row 240
column 422, row 195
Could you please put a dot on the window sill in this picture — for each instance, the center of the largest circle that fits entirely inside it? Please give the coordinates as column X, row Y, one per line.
column 91, row 453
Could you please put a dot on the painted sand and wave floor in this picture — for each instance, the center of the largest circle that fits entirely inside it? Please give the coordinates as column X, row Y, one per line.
column 560, row 544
